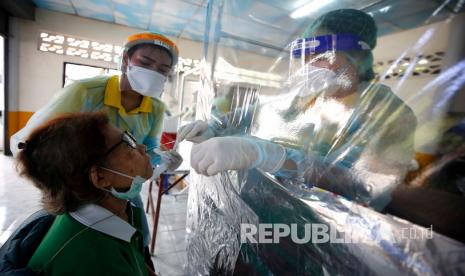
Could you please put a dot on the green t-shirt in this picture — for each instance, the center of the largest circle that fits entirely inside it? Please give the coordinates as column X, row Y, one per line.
column 92, row 241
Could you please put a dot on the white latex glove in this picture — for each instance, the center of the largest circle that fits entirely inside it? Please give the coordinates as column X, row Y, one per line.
column 170, row 159
column 235, row 153
column 195, row 132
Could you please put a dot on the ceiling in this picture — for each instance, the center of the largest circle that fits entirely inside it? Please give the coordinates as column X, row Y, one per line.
column 262, row 26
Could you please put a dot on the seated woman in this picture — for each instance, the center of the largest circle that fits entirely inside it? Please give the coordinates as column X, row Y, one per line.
column 87, row 170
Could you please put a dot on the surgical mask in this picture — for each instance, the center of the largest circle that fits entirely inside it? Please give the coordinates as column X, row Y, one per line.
column 145, row 81
column 134, row 190
column 317, row 80
column 314, row 80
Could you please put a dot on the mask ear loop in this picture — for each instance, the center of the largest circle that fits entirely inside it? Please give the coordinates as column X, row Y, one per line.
column 118, row 173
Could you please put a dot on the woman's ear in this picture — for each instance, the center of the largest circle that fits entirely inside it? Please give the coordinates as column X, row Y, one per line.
column 98, row 178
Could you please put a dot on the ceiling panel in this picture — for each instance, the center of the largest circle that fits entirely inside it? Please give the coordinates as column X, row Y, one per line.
column 286, row 6
column 58, row 5
column 96, row 9
column 202, row 3
column 176, row 8
column 261, row 14
column 250, row 23
column 167, row 24
column 241, row 27
column 194, row 29
column 135, row 14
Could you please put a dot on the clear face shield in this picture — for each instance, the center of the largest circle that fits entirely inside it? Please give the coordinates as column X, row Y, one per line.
column 321, row 64
column 144, row 75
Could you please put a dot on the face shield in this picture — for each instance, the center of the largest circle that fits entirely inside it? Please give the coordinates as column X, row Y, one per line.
column 321, row 63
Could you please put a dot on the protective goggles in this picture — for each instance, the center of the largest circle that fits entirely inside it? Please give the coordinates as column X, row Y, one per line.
column 127, row 138
column 325, row 43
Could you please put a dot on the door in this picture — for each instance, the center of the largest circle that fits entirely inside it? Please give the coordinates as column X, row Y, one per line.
column 2, row 94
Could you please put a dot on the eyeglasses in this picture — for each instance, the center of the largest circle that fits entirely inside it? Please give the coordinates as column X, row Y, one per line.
column 127, row 138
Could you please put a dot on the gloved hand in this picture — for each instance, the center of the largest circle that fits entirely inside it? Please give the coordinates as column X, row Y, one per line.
column 170, row 158
column 235, row 153
column 196, row 132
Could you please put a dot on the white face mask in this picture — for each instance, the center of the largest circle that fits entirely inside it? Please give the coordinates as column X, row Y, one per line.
column 313, row 80
column 145, row 81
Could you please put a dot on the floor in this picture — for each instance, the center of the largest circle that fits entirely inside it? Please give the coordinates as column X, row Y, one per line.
column 19, row 198
column 170, row 247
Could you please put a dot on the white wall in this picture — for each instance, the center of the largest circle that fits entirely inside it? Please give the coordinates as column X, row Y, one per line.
column 2, row 98
column 392, row 45
column 38, row 75
column 2, row 74
column 423, row 40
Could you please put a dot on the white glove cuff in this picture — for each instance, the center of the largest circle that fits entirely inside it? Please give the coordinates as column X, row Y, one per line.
column 271, row 156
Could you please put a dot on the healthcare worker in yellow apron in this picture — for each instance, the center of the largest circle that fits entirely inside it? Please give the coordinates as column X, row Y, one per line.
column 131, row 101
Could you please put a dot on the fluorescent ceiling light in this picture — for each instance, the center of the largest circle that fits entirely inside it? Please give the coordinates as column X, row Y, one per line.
column 308, row 8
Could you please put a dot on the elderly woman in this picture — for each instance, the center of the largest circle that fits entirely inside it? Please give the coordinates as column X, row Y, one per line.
column 87, row 170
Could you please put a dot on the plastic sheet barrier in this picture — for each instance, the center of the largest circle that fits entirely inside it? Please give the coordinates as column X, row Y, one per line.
column 332, row 146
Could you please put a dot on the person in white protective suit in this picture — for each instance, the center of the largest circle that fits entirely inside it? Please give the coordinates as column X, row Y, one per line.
column 355, row 136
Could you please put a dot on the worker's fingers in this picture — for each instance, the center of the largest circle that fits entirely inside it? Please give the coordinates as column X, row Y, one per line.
column 196, row 153
column 215, row 168
column 197, row 130
column 204, row 164
column 183, row 131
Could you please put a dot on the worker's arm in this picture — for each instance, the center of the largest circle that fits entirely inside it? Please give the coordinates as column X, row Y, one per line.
column 234, row 123
column 366, row 172
column 152, row 140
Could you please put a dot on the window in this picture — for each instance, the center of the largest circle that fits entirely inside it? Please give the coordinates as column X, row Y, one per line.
column 74, row 71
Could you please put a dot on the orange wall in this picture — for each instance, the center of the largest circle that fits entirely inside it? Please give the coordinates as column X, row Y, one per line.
column 17, row 120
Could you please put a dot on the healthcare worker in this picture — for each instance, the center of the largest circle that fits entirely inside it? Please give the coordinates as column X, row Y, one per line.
column 353, row 136
column 132, row 101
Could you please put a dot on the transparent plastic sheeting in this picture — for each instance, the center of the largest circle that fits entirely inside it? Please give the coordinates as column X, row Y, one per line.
column 351, row 135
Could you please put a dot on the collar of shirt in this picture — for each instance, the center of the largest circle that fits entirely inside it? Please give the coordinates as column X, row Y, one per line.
column 113, row 98
column 102, row 220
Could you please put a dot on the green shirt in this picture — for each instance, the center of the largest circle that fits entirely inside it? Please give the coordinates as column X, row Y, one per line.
column 92, row 241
